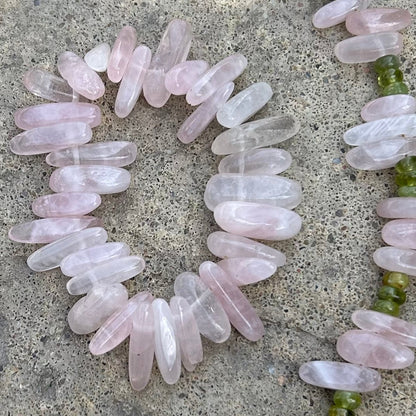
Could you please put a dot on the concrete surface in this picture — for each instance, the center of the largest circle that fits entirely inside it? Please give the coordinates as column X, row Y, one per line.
column 46, row 369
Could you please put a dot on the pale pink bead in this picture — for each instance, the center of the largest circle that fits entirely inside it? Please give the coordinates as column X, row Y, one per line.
column 400, row 233
column 121, row 53
column 402, row 207
column 388, row 106
column 180, row 79
column 396, row 259
column 50, row 229
column 97, row 58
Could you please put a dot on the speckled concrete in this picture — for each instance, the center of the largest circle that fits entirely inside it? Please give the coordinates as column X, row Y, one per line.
column 47, row 370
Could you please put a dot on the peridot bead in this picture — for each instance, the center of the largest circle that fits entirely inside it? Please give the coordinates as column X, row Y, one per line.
column 406, row 179
column 396, row 279
column 386, row 306
column 339, row 411
column 386, row 62
column 392, row 293
column 407, row 191
column 390, row 76
column 347, row 399
column 407, row 164
column 395, row 88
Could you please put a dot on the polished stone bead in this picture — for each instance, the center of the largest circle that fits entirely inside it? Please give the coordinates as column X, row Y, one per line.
column 172, row 50
column 389, row 106
column 53, row 113
column 347, row 399
column 386, row 62
column 392, row 293
column 91, row 311
column 244, row 105
column 401, row 207
column 398, row 88
column 389, row 76
column 239, row 310
column 209, row 314
column 255, row 134
column 406, row 179
column 386, row 306
column 396, row 259
column 181, row 78
column 407, row 191
column 97, row 58
column 367, row 48
column 400, row 233
column 396, row 279
column 339, row 411
column 115, row 154
column 340, row 376
column 253, row 220
column 90, row 178
column 50, row 256
column 407, row 164
column 225, row 245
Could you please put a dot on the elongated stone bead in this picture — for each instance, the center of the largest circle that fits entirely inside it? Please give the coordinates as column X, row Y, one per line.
column 253, row 220
column 49, row 138
column 173, row 49
column 113, row 271
column 368, row 48
column 225, row 245
column 199, row 120
column 118, row 326
column 340, row 376
column 400, row 233
column 389, row 106
column 181, row 78
column 121, row 53
column 397, row 259
column 50, row 256
column 54, row 113
column 116, row 154
column 90, row 178
column 80, row 261
column 47, row 230
column 220, row 74
column 255, row 134
column 244, row 105
column 167, row 349
column 97, row 58
column 132, row 82
column 239, row 310
column 91, row 311
column 210, row 316
column 397, row 208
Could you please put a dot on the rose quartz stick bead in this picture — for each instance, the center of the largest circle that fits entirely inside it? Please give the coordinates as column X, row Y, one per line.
column 97, row 58
column 246, row 270
column 50, row 256
column 121, row 53
column 374, row 20
column 199, row 120
column 225, row 245
column 118, row 326
column 91, row 311
column 90, row 178
column 50, row 229
column 220, row 74
column 53, row 113
column 76, row 263
column 402, row 207
column 173, row 49
column 260, row 221
column 395, row 329
column 396, row 259
column 49, row 138
column 373, row 350
column 80, row 76
column 113, row 271
column 388, row 106
column 187, row 332
column 167, row 349
column 142, row 346
column 340, row 376
column 182, row 77
column 113, row 153
column 400, row 233
column 368, row 48
column 239, row 310
column 132, row 82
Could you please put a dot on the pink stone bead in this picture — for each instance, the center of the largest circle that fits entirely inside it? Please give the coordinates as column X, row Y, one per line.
column 225, row 245
column 388, row 106
column 173, row 49
column 220, row 74
column 187, row 332
column 45, row 114
column 50, row 229
column 253, row 220
column 373, row 350
column 80, row 76
column 400, row 233
column 90, row 178
column 181, row 78
column 142, row 346
column 239, row 310
column 121, row 53
column 199, row 120
column 368, row 48
column 340, row 376
column 80, row 261
column 396, row 259
column 375, row 20
column 132, row 82
column 118, row 326
column 97, row 58
column 91, row 311
column 402, row 207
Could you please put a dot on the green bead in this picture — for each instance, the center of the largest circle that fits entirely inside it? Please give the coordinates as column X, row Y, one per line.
column 407, row 191
column 396, row 279
column 406, row 179
column 386, row 62
column 339, row 411
column 386, row 306
column 407, row 164
column 392, row 293
column 390, row 76
column 395, row 88
column 347, row 399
